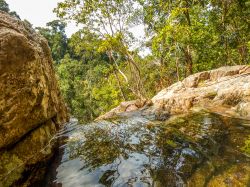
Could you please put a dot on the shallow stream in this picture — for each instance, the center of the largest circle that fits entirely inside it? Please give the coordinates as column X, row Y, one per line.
column 198, row 149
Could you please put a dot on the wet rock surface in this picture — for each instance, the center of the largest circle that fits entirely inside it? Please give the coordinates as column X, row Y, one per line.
column 224, row 90
column 31, row 108
column 127, row 106
column 195, row 149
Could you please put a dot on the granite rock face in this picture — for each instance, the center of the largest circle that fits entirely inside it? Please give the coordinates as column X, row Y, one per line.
column 31, row 108
column 224, row 90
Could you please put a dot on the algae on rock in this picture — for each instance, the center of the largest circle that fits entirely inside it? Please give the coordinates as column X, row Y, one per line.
column 31, row 107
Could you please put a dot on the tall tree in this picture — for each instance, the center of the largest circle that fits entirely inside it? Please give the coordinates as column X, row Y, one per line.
column 195, row 35
column 110, row 21
column 5, row 7
column 57, row 39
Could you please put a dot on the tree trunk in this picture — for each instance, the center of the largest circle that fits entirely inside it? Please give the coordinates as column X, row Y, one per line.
column 188, row 56
column 117, row 77
column 119, row 85
column 188, row 60
column 177, row 63
column 137, row 78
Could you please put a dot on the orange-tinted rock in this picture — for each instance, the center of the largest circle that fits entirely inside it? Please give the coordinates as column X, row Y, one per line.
column 31, row 108
column 127, row 106
column 226, row 87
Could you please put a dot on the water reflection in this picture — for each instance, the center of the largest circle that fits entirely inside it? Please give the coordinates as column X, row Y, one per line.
column 135, row 151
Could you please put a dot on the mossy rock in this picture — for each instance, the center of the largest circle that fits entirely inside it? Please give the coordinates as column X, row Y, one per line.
column 237, row 175
column 11, row 168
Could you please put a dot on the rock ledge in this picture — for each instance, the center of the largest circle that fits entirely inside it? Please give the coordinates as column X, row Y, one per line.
column 225, row 90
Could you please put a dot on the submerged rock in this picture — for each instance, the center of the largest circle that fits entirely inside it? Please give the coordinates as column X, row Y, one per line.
column 31, row 108
column 196, row 149
column 236, row 175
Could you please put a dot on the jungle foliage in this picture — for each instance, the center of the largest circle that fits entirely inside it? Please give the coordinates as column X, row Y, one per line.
column 5, row 8
column 100, row 65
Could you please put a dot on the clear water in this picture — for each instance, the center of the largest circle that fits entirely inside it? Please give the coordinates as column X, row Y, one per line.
column 137, row 151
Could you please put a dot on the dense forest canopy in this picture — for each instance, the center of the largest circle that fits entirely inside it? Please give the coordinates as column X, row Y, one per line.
column 99, row 66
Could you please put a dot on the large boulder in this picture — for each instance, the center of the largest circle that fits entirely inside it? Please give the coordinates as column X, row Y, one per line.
column 31, row 108
column 225, row 90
